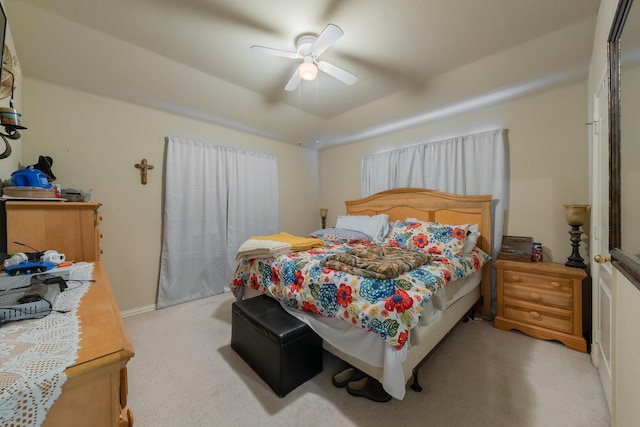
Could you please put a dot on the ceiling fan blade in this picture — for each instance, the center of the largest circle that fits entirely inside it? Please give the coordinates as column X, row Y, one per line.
column 275, row 52
column 338, row 73
column 327, row 37
column 294, row 81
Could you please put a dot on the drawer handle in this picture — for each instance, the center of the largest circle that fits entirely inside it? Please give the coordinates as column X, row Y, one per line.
column 535, row 296
column 555, row 284
column 515, row 278
column 535, row 314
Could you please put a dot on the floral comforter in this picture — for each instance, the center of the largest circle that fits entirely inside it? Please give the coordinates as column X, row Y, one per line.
column 388, row 307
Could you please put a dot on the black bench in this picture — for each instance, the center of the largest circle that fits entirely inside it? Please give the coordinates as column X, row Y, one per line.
column 281, row 349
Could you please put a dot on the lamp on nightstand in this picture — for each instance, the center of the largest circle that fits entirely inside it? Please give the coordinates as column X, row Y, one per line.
column 323, row 216
column 576, row 217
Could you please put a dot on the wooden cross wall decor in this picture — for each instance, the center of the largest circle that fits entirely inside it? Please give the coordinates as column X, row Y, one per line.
column 143, row 166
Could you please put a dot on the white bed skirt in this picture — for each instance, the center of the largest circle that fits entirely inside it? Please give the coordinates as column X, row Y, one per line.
column 367, row 352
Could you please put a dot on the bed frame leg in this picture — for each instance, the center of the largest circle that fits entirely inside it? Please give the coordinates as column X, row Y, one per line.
column 415, row 386
column 470, row 316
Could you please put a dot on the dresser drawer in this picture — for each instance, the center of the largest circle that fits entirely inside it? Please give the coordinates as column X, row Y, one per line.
column 536, row 314
column 539, row 281
column 539, row 295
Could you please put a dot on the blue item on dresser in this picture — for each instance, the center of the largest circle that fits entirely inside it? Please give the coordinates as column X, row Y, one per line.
column 30, row 178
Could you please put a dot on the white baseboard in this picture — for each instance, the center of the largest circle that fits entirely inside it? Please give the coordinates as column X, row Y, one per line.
column 138, row 310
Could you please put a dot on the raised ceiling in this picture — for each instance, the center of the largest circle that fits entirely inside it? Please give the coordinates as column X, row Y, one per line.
column 192, row 57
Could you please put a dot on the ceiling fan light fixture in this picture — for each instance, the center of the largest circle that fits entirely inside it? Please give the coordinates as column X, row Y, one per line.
column 309, row 47
column 308, row 71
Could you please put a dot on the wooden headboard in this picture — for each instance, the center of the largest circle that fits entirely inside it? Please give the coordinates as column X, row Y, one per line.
column 435, row 206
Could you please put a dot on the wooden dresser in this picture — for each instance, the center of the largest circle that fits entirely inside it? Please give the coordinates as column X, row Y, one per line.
column 95, row 393
column 70, row 228
column 541, row 299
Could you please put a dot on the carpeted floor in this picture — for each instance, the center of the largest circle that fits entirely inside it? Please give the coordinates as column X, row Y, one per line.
column 185, row 374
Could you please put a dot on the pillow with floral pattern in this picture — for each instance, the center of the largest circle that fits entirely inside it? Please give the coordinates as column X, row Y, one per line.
column 432, row 238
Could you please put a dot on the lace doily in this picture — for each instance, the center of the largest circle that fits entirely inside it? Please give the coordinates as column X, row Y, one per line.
column 34, row 354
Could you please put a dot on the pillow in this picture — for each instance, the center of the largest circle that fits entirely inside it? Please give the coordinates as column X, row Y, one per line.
column 470, row 242
column 376, row 226
column 343, row 235
column 472, row 239
column 432, row 238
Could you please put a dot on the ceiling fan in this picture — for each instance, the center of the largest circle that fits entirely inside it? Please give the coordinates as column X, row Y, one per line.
column 309, row 47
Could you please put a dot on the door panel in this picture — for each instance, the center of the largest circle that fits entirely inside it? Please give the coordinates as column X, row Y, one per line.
column 605, row 329
column 603, row 292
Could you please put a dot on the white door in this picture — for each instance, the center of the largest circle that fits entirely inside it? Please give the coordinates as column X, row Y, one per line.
column 603, row 287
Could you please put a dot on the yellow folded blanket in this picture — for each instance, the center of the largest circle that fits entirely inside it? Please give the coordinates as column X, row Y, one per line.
column 298, row 243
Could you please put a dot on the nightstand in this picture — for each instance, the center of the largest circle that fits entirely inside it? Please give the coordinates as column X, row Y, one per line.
column 541, row 299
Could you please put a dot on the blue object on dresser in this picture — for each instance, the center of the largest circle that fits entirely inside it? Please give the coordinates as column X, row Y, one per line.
column 29, row 178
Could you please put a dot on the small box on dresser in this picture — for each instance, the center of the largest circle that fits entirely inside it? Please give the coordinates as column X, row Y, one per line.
column 541, row 299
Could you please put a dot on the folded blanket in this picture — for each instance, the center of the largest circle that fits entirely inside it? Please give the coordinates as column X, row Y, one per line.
column 297, row 243
column 257, row 248
column 376, row 261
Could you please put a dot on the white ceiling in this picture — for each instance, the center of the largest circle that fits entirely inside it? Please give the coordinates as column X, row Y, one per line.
column 192, row 57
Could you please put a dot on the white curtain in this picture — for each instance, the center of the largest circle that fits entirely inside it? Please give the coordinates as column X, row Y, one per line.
column 215, row 198
column 469, row 164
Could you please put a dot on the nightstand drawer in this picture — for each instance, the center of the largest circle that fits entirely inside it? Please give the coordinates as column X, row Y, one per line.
column 538, row 295
column 535, row 314
column 538, row 280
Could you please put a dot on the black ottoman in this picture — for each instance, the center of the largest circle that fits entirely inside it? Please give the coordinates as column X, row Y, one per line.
column 284, row 351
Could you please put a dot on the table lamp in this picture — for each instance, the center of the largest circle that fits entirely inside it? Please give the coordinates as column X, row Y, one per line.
column 577, row 215
column 323, row 216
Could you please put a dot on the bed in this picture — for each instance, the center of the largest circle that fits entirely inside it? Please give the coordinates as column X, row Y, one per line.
column 392, row 358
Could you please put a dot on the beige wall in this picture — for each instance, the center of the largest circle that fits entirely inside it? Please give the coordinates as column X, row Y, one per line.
column 96, row 141
column 548, row 160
